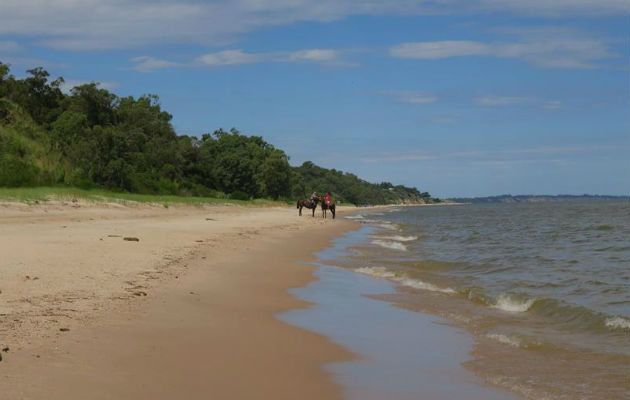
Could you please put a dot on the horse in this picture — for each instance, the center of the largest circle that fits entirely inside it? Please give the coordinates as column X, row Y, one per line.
column 312, row 204
column 330, row 207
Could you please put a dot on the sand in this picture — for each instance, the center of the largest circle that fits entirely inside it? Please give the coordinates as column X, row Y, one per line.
column 187, row 311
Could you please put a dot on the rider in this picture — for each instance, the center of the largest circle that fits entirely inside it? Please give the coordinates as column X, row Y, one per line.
column 327, row 199
column 314, row 196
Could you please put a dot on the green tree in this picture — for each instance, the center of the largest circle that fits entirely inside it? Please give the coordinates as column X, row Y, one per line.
column 276, row 175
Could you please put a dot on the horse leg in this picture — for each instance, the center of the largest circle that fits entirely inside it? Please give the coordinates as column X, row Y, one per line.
column 332, row 210
column 314, row 211
column 300, row 211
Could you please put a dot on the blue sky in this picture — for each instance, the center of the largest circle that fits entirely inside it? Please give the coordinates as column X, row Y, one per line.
column 458, row 98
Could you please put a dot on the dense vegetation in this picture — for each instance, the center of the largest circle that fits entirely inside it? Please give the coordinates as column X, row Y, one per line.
column 91, row 138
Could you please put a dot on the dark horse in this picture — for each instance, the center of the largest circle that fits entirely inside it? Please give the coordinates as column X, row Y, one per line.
column 312, row 204
column 330, row 207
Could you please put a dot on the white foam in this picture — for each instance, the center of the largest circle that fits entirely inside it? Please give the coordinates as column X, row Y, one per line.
column 388, row 225
column 381, row 272
column 510, row 304
column 398, row 238
column 380, row 224
column 358, row 216
column 418, row 284
column 618, row 323
column 504, row 339
column 390, row 245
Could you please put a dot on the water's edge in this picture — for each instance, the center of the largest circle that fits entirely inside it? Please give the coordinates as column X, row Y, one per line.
column 404, row 354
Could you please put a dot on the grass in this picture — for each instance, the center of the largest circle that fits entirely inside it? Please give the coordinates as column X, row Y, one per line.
column 43, row 194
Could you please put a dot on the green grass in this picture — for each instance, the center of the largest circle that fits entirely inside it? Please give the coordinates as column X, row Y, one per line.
column 43, row 194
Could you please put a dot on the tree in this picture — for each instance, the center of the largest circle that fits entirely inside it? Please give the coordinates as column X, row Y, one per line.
column 276, row 175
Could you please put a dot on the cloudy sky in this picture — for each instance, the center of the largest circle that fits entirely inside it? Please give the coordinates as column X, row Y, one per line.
column 457, row 97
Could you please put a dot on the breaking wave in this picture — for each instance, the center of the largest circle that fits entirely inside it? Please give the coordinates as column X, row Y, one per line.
column 398, row 238
column 618, row 323
column 382, row 272
column 390, row 245
column 379, row 272
column 513, row 303
column 512, row 341
column 418, row 284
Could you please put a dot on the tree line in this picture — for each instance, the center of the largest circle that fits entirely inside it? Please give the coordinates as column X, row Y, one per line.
column 91, row 137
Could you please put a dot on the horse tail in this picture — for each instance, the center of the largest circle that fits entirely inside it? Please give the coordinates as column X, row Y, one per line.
column 298, row 204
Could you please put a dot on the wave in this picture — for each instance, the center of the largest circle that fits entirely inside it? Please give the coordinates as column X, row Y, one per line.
column 397, row 238
column 617, row 323
column 509, row 340
column 569, row 315
column 390, row 245
column 379, row 224
column 358, row 216
column 379, row 272
column 388, row 225
column 382, row 272
column 513, row 303
column 418, row 284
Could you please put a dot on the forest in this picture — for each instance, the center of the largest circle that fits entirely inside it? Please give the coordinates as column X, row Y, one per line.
column 92, row 138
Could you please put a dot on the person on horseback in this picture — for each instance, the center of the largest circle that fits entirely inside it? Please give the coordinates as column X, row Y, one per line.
column 313, row 196
column 327, row 199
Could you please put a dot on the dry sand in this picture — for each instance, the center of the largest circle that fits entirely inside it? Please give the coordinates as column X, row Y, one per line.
column 185, row 312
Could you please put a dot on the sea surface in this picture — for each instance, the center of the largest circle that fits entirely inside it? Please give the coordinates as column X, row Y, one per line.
column 543, row 289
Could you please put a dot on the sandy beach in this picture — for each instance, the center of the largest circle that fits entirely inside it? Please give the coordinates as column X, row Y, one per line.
column 184, row 311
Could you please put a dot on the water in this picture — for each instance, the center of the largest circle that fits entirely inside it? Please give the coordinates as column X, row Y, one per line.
column 544, row 288
column 394, row 364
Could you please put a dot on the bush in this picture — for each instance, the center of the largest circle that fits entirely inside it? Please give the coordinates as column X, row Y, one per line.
column 239, row 195
column 77, row 177
column 16, row 172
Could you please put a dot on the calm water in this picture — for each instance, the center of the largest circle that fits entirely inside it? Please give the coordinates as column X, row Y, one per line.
column 544, row 288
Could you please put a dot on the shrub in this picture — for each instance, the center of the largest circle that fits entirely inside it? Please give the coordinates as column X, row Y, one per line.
column 239, row 195
column 16, row 172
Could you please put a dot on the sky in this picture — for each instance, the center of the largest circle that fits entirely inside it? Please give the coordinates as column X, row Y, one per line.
column 455, row 97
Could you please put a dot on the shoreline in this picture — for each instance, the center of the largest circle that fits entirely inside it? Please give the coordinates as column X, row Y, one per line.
column 404, row 354
column 201, row 320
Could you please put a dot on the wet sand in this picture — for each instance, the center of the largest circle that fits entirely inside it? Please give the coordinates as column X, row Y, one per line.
column 405, row 355
column 186, row 312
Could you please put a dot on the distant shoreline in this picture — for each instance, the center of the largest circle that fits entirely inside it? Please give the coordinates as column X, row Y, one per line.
column 528, row 198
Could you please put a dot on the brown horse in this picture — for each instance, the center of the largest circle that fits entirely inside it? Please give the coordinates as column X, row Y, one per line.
column 311, row 204
column 330, row 207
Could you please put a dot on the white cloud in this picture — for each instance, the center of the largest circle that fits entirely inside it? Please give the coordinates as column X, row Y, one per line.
column 529, row 101
column 442, row 49
column 145, row 64
column 314, row 55
column 230, row 57
column 553, row 104
column 493, row 101
column 544, row 47
column 239, row 57
column 557, row 8
column 107, row 24
column 410, row 97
